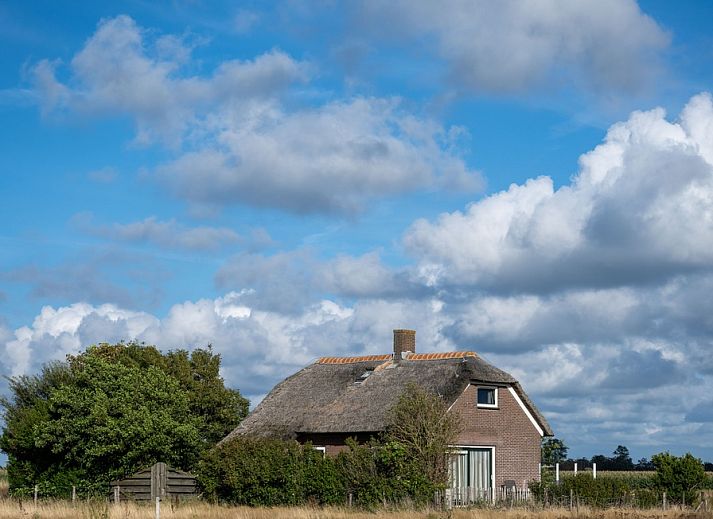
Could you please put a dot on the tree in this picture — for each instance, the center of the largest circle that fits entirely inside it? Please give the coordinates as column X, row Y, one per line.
column 681, row 477
column 421, row 427
column 553, row 451
column 621, row 459
column 601, row 461
column 111, row 410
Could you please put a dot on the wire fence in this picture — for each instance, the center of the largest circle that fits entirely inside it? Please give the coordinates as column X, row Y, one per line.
column 643, row 499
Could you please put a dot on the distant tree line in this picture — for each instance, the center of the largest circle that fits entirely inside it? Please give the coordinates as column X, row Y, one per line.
column 555, row 451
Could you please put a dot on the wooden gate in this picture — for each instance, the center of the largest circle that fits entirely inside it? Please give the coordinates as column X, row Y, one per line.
column 160, row 481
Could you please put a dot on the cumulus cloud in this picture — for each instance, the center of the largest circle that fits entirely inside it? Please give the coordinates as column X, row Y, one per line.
column 591, row 388
column 290, row 280
column 639, row 211
column 237, row 140
column 331, row 159
column 512, row 45
column 258, row 347
column 122, row 71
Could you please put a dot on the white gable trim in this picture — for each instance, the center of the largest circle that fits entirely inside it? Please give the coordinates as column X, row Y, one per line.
column 526, row 410
column 461, row 394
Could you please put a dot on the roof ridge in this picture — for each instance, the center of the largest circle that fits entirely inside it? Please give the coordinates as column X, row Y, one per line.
column 441, row 355
column 387, row 356
column 351, row 360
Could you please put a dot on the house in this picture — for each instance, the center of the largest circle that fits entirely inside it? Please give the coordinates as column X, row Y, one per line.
column 336, row 398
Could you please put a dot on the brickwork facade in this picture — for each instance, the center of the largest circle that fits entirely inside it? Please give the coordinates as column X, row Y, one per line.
column 507, row 428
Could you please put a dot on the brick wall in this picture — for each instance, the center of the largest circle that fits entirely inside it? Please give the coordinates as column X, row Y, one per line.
column 333, row 443
column 507, row 428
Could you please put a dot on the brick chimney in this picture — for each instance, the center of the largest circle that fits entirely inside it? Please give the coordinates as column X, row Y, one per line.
column 404, row 340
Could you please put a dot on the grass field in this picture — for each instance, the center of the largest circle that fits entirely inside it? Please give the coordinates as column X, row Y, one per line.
column 100, row 510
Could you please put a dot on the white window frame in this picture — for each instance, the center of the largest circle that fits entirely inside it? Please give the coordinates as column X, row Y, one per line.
column 486, row 406
column 323, row 450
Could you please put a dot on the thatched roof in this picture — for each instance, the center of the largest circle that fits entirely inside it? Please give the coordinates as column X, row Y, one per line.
column 327, row 396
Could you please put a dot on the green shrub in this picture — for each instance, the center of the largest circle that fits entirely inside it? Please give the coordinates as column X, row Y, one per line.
column 681, row 477
column 264, row 472
column 606, row 490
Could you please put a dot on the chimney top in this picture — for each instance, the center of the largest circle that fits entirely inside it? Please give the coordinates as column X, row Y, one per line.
column 404, row 341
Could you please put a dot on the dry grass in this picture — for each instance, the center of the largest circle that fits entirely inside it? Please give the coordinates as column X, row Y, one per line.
column 3, row 483
column 65, row 510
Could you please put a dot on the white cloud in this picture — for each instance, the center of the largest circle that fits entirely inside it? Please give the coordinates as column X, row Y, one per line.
column 258, row 347
column 327, row 159
column 236, row 139
column 56, row 333
column 511, row 45
column 591, row 387
column 640, row 210
column 120, row 70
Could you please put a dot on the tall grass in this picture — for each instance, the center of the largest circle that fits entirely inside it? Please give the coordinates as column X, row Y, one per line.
column 102, row 510
column 4, row 487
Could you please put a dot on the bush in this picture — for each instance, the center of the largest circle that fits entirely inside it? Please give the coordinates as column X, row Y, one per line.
column 601, row 492
column 680, row 477
column 264, row 472
column 406, row 465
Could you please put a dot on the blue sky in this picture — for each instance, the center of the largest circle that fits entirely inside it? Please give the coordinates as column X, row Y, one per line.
column 291, row 179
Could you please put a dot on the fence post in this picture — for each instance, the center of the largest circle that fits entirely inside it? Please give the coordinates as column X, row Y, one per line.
column 74, row 493
column 158, row 507
column 575, row 469
column 116, row 495
column 35, row 495
column 539, row 470
column 594, row 470
column 557, row 472
column 664, row 501
column 351, row 497
column 571, row 499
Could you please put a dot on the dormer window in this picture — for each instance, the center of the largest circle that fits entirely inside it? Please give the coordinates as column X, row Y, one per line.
column 364, row 376
column 488, row 397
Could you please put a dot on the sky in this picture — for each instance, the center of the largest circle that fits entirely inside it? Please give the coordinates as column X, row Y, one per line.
column 285, row 180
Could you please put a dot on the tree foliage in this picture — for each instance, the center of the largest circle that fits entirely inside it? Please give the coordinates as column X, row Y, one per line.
column 421, row 426
column 553, row 451
column 112, row 410
column 682, row 477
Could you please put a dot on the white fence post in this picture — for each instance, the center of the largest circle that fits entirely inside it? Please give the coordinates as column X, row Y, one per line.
column 158, row 507
column 116, row 494
column 575, row 469
column 74, row 493
column 594, row 470
column 36, row 494
column 557, row 472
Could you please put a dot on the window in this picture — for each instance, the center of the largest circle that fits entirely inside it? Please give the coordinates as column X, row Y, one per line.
column 488, row 397
column 364, row 376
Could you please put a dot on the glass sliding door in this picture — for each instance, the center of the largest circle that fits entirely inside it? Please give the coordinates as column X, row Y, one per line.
column 472, row 474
